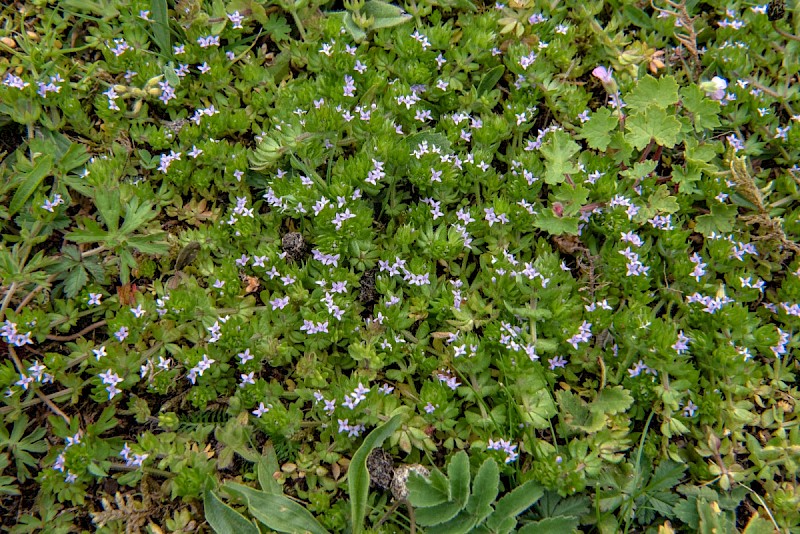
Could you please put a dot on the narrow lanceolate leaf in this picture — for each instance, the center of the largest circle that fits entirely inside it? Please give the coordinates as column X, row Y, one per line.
column 224, row 519
column 490, row 79
column 159, row 15
column 40, row 171
column 277, row 512
column 358, row 476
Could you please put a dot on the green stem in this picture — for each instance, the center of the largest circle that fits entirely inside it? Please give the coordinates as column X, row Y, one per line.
column 148, row 470
column 299, row 24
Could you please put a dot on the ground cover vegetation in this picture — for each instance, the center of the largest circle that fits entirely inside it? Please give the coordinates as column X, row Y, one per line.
column 308, row 266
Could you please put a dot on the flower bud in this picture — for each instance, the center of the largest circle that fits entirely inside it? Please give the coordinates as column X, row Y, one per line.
column 152, row 82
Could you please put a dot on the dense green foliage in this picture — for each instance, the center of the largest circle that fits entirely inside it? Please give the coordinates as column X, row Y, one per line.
column 549, row 246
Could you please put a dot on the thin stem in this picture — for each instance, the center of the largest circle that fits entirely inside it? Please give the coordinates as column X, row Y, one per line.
column 35, row 290
column 783, row 33
column 149, row 470
column 10, row 293
column 71, row 337
column 65, row 319
column 48, row 402
column 93, row 251
column 33, row 402
column 299, row 24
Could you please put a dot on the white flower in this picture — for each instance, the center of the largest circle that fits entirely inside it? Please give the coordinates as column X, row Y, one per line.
column 262, row 409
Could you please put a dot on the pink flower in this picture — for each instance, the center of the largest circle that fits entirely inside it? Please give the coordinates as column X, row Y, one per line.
column 603, row 74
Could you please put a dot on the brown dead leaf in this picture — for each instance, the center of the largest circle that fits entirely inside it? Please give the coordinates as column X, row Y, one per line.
column 127, row 294
column 252, row 284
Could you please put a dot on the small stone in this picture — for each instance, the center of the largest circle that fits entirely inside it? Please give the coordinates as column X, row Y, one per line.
column 367, row 293
column 776, row 10
column 294, row 245
column 381, row 468
column 399, row 488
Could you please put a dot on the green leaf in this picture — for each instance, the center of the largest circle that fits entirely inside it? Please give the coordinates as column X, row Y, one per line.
column 34, row 177
column 704, row 111
column 92, row 233
column 458, row 472
column 136, row 215
column 597, row 129
column 653, row 123
column 575, row 414
column 639, row 18
column 277, row 28
column 490, row 79
column 75, row 156
column 160, row 18
column 224, row 519
column 532, row 395
column 611, row 401
column 537, row 314
column 758, row 525
column 514, row 503
column 424, row 492
column 277, row 512
column 435, row 515
column 108, row 204
column 667, row 475
column 662, row 202
column 572, row 197
column 350, row 25
column 650, row 92
column 358, row 476
column 558, row 151
column 75, row 281
column 686, row 178
column 720, row 220
column 484, row 490
column 97, row 470
column 552, row 525
column 460, row 524
column 385, row 15
column 640, row 170
column 267, row 465
column 147, row 244
column 551, row 223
